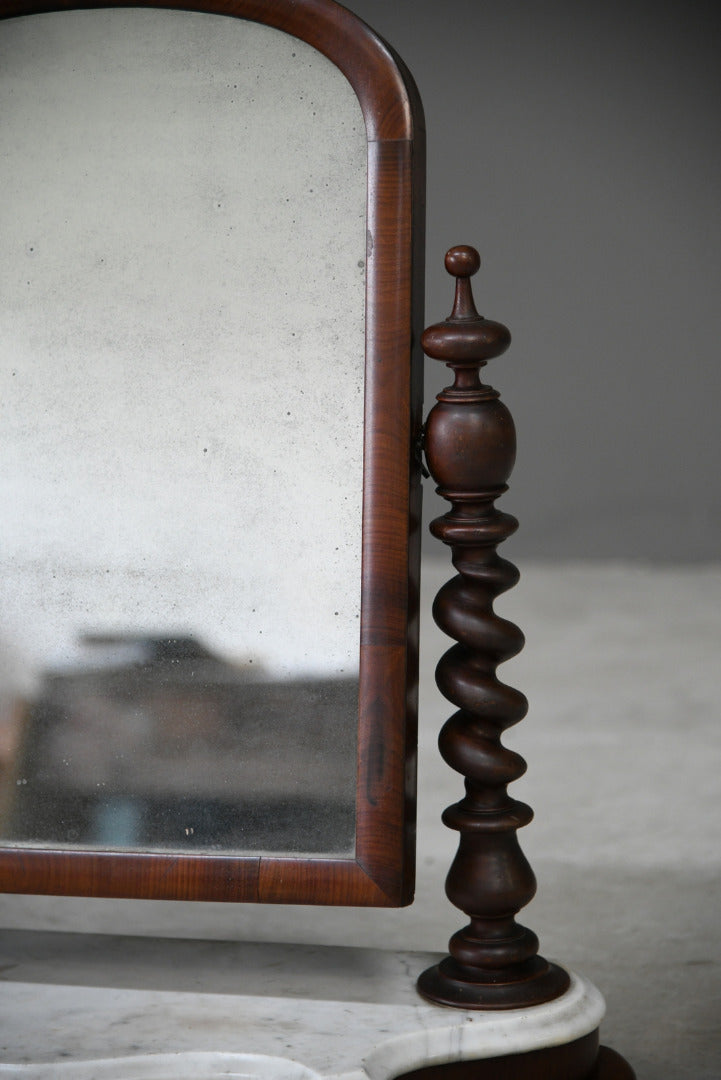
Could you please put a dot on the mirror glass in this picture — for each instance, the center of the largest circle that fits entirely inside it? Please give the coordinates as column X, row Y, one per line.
column 181, row 430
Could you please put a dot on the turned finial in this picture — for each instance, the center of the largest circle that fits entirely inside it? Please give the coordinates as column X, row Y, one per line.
column 465, row 337
column 470, row 439
column 463, row 262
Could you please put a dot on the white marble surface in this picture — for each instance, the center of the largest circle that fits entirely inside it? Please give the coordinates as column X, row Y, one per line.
column 102, row 1007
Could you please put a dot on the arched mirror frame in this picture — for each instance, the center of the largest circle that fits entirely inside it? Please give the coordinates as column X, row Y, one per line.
column 382, row 871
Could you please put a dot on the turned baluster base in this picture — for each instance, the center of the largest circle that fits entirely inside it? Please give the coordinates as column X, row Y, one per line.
column 450, row 983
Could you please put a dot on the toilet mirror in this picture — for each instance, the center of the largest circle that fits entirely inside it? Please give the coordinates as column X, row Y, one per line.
column 209, row 393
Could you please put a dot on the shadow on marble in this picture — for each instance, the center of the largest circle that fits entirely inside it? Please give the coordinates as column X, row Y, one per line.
column 210, row 967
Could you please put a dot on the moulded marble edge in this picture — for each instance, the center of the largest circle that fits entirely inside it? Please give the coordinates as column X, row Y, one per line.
column 466, row 1036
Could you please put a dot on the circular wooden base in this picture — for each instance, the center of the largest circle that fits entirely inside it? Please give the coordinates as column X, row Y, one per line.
column 578, row 1060
column 533, row 983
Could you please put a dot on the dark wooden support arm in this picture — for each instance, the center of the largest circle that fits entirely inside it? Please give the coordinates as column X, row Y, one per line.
column 470, row 447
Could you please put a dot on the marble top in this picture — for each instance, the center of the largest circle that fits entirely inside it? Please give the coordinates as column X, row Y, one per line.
column 95, row 1007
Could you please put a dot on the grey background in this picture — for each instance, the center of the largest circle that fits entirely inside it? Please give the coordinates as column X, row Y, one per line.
column 577, row 146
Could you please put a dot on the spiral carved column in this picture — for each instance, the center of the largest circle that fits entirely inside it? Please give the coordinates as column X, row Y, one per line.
column 470, row 447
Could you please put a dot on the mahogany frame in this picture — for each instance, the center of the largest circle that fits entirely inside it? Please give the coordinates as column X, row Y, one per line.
column 382, row 872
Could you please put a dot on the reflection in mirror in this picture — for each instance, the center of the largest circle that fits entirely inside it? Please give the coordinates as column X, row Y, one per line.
column 182, row 353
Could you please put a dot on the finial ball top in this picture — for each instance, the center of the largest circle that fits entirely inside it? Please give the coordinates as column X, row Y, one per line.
column 462, row 261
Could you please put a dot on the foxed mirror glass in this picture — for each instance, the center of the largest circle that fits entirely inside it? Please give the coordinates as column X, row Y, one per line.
column 209, row 399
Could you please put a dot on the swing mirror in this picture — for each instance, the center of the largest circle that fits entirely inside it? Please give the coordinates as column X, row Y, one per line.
column 210, row 400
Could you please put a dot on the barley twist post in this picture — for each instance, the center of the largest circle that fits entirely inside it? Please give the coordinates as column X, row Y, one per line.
column 470, row 447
